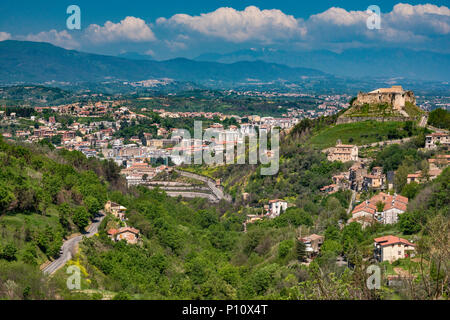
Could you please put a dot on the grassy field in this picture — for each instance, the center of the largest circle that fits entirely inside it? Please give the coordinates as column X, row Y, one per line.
column 358, row 133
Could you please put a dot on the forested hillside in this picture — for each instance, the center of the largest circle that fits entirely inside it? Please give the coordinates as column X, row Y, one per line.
column 192, row 250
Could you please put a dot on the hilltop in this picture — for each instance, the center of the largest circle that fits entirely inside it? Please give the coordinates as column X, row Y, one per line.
column 383, row 104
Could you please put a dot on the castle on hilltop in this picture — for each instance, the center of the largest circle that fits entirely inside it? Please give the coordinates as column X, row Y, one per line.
column 394, row 96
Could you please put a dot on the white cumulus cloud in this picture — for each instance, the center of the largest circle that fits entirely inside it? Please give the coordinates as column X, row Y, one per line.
column 58, row 38
column 404, row 24
column 5, row 36
column 129, row 29
column 238, row 26
column 427, row 19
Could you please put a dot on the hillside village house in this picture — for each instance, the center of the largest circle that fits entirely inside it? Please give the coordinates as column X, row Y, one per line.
column 341, row 180
column 418, row 178
column 330, row 189
column 437, row 138
column 436, row 166
column 313, row 243
column 376, row 180
column 343, row 152
column 276, row 207
column 356, row 175
column 391, row 248
column 130, row 235
column 439, row 162
column 115, row 209
column 367, row 211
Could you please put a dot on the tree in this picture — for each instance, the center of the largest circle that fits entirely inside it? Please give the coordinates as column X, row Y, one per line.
column 410, row 190
column 284, row 248
column 411, row 222
column 56, row 139
column 300, row 250
column 331, row 246
column 81, row 218
column 380, row 206
column 6, row 196
column 439, row 118
column 401, row 175
column 9, row 252
column 352, row 236
column 332, row 233
column 93, row 205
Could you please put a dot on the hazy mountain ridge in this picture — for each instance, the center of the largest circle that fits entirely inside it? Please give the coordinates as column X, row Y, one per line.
column 38, row 62
column 361, row 62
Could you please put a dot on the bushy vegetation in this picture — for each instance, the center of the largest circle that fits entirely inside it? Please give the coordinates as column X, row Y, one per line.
column 364, row 132
column 46, row 195
column 195, row 250
column 439, row 118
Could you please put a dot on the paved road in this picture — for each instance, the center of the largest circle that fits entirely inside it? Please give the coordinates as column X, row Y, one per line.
column 352, row 200
column 70, row 245
column 218, row 193
column 423, row 121
column 436, row 129
column 187, row 194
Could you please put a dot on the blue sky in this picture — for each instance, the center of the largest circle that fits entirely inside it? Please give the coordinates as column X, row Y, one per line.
column 166, row 29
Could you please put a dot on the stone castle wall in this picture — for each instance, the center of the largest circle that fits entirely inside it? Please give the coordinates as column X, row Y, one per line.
column 342, row 119
column 396, row 99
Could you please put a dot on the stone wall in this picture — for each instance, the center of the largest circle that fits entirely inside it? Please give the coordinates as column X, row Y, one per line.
column 396, row 99
column 343, row 119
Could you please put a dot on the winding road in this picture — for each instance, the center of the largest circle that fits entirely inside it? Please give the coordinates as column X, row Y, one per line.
column 69, row 245
column 218, row 192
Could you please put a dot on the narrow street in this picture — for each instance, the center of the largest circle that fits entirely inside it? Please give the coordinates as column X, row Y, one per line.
column 69, row 245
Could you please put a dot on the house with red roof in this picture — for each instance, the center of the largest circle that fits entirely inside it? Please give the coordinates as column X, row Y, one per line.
column 130, row 235
column 391, row 248
column 368, row 211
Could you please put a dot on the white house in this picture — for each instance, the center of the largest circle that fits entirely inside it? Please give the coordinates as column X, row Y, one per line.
column 276, row 207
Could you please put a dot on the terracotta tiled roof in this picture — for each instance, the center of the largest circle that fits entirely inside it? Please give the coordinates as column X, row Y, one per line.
column 128, row 229
column 112, row 232
column 397, row 201
column 390, row 240
column 395, row 205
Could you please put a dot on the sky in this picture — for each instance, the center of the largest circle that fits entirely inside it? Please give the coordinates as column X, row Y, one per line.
column 180, row 28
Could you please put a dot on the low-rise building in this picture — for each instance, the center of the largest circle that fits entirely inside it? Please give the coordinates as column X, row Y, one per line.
column 439, row 162
column 313, row 243
column 391, row 248
column 343, row 153
column 130, row 235
column 369, row 210
column 276, row 207
column 437, row 138
column 115, row 209
column 330, row 189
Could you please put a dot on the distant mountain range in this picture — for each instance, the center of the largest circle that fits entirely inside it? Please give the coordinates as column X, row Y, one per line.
column 37, row 62
column 355, row 63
